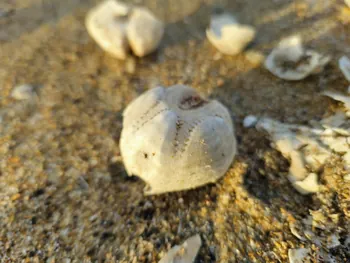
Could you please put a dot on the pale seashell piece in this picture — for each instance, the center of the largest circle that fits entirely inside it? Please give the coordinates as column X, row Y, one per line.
column 290, row 61
column 347, row 2
column 344, row 65
column 185, row 253
column 249, row 121
column 175, row 140
column 107, row 23
column 298, row 255
column 308, row 185
column 336, row 121
column 23, row 92
column 227, row 35
column 339, row 97
column 309, row 148
column 144, row 32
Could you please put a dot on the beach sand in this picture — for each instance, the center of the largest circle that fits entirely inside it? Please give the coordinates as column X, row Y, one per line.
column 64, row 193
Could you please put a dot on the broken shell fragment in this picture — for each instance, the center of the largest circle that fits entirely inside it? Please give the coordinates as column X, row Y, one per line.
column 175, row 140
column 298, row 255
column 344, row 65
column 339, row 97
column 23, row 92
column 227, row 35
column 106, row 23
column 249, row 121
column 291, row 61
column 185, row 253
column 308, row 185
column 144, row 32
column 116, row 27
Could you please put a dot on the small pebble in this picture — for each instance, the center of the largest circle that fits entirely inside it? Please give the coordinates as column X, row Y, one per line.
column 250, row 121
column 130, row 66
column 23, row 92
column 220, row 82
column 255, row 57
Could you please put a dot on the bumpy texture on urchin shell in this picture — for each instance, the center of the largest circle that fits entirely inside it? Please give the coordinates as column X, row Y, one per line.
column 175, row 140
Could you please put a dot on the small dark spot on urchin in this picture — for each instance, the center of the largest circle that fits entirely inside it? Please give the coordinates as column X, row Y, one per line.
column 145, row 155
column 153, row 154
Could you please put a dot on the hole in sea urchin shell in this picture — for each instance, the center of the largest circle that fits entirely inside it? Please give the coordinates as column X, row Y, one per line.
column 192, row 102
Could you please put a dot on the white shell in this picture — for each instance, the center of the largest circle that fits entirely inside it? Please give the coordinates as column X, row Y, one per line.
column 116, row 27
column 290, row 61
column 185, row 253
column 175, row 140
column 23, row 92
column 339, row 97
column 227, row 35
column 308, row 185
column 106, row 23
column 144, row 32
column 249, row 121
column 344, row 65
column 347, row 2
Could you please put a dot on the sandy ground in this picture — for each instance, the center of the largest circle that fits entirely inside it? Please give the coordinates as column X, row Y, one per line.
column 64, row 194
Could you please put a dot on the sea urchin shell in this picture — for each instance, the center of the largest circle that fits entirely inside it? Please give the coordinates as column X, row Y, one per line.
column 175, row 140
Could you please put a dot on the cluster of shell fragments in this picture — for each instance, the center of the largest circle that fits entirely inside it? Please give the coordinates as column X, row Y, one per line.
column 290, row 60
column 309, row 148
column 175, row 140
column 117, row 27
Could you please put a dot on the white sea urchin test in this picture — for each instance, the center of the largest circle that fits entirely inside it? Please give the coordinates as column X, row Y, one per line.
column 175, row 140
